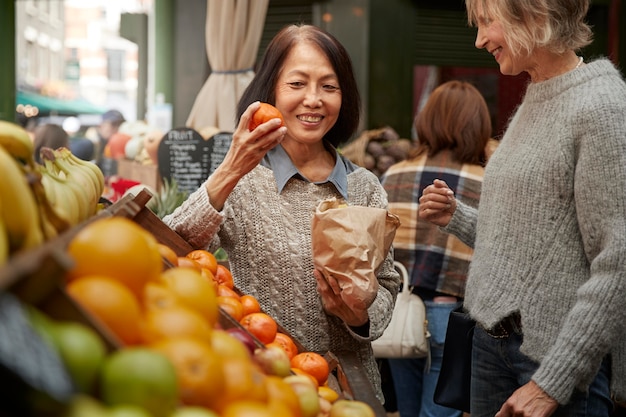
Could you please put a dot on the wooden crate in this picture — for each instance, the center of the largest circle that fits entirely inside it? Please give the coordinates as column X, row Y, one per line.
column 145, row 174
column 348, row 376
column 36, row 278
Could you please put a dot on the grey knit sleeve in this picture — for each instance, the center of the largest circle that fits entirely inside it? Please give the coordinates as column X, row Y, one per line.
column 463, row 224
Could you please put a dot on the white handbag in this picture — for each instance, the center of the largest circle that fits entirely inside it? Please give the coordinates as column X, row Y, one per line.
column 407, row 335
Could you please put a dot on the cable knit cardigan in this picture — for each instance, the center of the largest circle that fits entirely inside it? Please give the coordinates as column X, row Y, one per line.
column 550, row 231
column 268, row 240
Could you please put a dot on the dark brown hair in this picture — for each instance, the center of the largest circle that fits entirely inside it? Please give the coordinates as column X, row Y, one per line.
column 51, row 136
column 456, row 118
column 263, row 85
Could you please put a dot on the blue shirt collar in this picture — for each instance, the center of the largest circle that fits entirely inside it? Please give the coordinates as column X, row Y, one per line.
column 279, row 162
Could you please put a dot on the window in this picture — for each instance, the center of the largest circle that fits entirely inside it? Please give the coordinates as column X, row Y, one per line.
column 115, row 64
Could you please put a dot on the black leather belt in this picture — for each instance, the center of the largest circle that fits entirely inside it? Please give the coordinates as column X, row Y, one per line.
column 507, row 326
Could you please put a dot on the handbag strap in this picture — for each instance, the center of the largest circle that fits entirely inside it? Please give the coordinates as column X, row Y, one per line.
column 404, row 274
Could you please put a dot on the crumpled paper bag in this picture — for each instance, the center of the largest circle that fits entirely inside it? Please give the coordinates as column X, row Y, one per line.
column 350, row 244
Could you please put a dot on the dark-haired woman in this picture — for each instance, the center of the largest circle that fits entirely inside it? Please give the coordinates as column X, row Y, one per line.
column 259, row 202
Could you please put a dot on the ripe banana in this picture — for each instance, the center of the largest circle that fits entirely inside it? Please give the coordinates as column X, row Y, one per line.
column 19, row 210
column 80, row 175
column 15, row 140
column 52, row 223
column 93, row 169
column 59, row 194
column 83, row 192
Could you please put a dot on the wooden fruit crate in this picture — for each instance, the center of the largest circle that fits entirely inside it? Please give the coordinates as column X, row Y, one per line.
column 36, row 278
column 347, row 377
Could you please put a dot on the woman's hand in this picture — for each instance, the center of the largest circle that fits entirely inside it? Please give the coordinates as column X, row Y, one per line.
column 333, row 304
column 529, row 400
column 437, row 203
column 246, row 151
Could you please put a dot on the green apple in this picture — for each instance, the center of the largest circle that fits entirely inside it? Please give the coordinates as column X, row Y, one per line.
column 126, row 410
column 191, row 411
column 307, row 394
column 140, row 376
column 82, row 351
column 351, row 408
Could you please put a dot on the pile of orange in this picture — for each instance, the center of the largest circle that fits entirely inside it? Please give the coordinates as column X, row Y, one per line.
column 171, row 303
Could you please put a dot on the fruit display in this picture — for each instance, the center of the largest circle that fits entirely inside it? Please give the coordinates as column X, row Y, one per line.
column 377, row 149
column 33, row 208
column 153, row 334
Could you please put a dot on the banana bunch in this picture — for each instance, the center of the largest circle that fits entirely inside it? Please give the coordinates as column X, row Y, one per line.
column 20, row 216
column 72, row 186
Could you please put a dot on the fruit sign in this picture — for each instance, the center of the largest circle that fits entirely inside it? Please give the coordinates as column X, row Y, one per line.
column 185, row 156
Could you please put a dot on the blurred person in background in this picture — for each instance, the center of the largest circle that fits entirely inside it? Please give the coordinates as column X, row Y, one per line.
column 50, row 136
column 452, row 132
column 110, row 125
column 80, row 146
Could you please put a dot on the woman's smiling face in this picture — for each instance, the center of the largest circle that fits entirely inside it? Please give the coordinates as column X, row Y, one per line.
column 308, row 93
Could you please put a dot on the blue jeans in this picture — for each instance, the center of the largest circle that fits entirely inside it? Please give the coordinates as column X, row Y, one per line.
column 414, row 384
column 499, row 368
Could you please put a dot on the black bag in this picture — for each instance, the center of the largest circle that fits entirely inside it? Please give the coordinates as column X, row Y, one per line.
column 453, row 385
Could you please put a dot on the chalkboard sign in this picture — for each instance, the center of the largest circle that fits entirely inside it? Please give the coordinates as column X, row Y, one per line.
column 185, row 156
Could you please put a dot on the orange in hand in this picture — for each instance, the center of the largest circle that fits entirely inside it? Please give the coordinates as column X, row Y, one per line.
column 263, row 114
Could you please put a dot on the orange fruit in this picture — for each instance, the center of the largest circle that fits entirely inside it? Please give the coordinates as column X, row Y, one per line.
column 198, row 370
column 224, row 291
column 314, row 380
column 263, row 114
column 224, row 277
column 168, row 254
column 328, row 393
column 204, row 258
column 250, row 304
column 193, row 290
column 279, row 391
column 157, row 296
column 286, row 343
column 183, row 261
column 111, row 303
column 260, row 325
column 173, row 322
column 116, row 247
column 227, row 346
column 243, row 380
column 209, row 276
column 312, row 363
column 247, row 408
column 232, row 306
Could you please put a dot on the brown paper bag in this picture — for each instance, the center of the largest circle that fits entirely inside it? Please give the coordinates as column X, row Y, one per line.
column 350, row 244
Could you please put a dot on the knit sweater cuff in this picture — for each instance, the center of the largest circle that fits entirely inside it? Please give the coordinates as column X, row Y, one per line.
column 463, row 224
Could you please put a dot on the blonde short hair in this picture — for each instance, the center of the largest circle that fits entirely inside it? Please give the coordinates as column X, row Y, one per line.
column 556, row 25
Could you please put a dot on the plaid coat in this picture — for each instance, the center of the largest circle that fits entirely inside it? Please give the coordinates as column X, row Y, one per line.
column 436, row 261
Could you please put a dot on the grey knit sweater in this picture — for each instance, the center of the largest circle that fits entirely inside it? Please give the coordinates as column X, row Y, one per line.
column 268, row 240
column 550, row 231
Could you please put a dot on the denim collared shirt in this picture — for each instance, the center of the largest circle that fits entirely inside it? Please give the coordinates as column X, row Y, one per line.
column 279, row 162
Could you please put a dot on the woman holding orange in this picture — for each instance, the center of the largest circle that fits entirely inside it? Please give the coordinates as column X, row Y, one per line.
column 259, row 203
